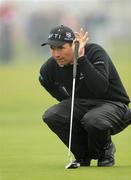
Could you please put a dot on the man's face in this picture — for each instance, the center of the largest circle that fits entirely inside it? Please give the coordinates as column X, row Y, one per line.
column 63, row 54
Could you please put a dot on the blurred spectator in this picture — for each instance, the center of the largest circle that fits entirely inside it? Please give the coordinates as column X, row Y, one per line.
column 37, row 25
column 6, row 39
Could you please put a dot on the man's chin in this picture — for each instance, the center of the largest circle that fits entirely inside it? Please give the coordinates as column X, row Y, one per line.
column 61, row 65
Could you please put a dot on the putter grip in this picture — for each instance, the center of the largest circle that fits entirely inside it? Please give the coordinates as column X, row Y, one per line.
column 75, row 58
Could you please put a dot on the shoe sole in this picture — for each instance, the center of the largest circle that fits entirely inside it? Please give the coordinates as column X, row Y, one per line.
column 108, row 164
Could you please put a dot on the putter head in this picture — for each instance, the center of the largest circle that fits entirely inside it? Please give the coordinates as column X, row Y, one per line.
column 72, row 165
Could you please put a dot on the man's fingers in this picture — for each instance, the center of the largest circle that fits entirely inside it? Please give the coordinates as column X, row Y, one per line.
column 87, row 39
column 82, row 32
column 77, row 35
column 85, row 36
column 82, row 36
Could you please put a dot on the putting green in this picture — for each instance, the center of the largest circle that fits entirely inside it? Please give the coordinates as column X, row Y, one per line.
column 28, row 149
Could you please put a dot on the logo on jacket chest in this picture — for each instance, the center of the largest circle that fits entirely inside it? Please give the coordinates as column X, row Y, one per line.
column 81, row 76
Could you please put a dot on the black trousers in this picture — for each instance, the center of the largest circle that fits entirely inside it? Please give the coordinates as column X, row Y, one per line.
column 94, row 121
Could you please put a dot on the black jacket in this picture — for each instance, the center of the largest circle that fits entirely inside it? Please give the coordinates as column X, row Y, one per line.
column 96, row 77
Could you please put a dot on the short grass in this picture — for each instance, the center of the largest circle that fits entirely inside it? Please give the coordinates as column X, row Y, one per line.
column 28, row 149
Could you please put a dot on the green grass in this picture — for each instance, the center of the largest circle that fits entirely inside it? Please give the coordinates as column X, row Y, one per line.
column 28, row 149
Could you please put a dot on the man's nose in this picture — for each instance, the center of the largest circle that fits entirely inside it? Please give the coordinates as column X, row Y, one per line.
column 56, row 53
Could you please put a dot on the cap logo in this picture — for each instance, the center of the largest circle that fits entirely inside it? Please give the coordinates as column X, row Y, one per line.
column 56, row 36
column 68, row 35
column 50, row 36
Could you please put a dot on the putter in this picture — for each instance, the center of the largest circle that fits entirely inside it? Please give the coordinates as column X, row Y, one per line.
column 73, row 165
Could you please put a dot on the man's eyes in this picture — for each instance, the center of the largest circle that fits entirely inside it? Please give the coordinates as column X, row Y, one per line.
column 53, row 48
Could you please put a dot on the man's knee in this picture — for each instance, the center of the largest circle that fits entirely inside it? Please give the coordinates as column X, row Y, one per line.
column 49, row 116
column 92, row 121
column 56, row 116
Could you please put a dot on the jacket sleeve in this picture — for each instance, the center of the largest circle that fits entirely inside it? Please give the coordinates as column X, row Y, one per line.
column 95, row 70
column 48, row 83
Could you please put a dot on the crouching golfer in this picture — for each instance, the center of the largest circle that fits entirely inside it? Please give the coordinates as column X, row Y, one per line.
column 101, row 101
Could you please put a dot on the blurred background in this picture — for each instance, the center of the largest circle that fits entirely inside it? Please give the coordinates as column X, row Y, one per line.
column 24, row 26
